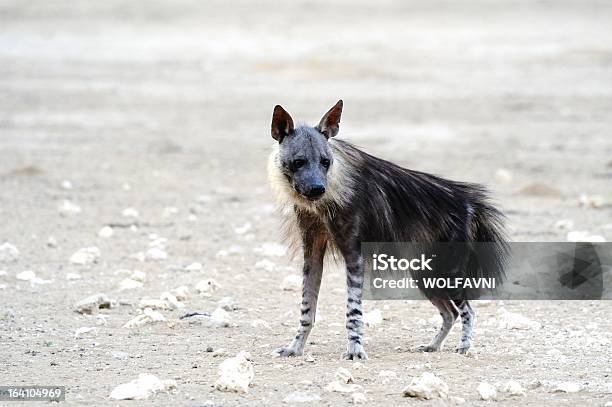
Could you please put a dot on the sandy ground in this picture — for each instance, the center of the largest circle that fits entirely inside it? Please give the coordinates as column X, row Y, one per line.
column 167, row 105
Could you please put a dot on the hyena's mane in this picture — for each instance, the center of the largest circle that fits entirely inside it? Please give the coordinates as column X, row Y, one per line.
column 295, row 209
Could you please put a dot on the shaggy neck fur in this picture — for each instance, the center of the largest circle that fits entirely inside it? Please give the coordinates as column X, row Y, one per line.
column 339, row 184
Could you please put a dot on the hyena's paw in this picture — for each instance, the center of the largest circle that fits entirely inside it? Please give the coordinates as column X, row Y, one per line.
column 427, row 348
column 463, row 350
column 354, row 351
column 287, row 351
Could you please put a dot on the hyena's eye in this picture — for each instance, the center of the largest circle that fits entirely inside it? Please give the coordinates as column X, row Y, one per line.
column 325, row 162
column 299, row 163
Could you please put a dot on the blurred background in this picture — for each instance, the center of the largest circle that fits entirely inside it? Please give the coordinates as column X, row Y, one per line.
column 164, row 108
column 109, row 92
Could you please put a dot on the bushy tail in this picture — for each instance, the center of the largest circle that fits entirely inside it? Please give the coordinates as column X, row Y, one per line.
column 489, row 252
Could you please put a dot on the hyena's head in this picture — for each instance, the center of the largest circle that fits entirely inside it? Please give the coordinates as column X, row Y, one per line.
column 304, row 154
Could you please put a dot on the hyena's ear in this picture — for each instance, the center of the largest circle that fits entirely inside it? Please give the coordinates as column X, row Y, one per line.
column 329, row 124
column 282, row 124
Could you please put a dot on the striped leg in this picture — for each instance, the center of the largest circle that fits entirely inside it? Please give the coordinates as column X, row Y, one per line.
column 449, row 314
column 312, row 272
column 468, row 321
column 354, row 310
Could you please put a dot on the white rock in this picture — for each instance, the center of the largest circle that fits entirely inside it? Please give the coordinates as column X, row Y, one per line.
column 265, row 264
column 591, row 201
column 27, row 275
column 428, row 386
column 557, row 355
column 154, row 304
column 84, row 330
column 301, row 397
column 207, row 287
column 142, row 388
column 138, row 275
column 344, row 375
column 271, row 249
column 220, row 318
column 512, row 388
column 73, row 276
column 171, row 299
column 234, row 249
column 85, row 256
column 156, row 240
column 155, row 254
column 584, row 236
column 241, row 230
column 130, row 213
column 169, row 211
column 511, row 320
column 338, row 387
column 221, row 254
column 567, row 387
column 67, row 208
column 52, row 242
column 292, row 282
column 38, row 280
column 227, row 303
column 148, row 316
column 260, row 323
column 194, row 267
column 486, row 391
column 577, row 236
column 372, row 318
column 219, row 352
column 564, row 224
column 120, row 355
column 235, row 374
column 30, row 276
column 455, row 401
column 106, row 232
column 140, row 256
column 93, row 303
column 358, row 398
column 66, row 184
column 503, row 175
column 8, row 253
column 181, row 292
column 129, row 284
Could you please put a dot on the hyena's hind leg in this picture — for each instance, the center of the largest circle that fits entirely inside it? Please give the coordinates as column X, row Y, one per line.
column 449, row 314
column 468, row 321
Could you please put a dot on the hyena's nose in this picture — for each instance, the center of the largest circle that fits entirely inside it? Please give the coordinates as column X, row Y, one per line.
column 315, row 191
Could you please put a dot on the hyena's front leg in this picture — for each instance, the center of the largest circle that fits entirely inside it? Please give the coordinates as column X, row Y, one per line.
column 354, row 310
column 314, row 252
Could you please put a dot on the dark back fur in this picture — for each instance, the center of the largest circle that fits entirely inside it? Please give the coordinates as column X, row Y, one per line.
column 393, row 204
